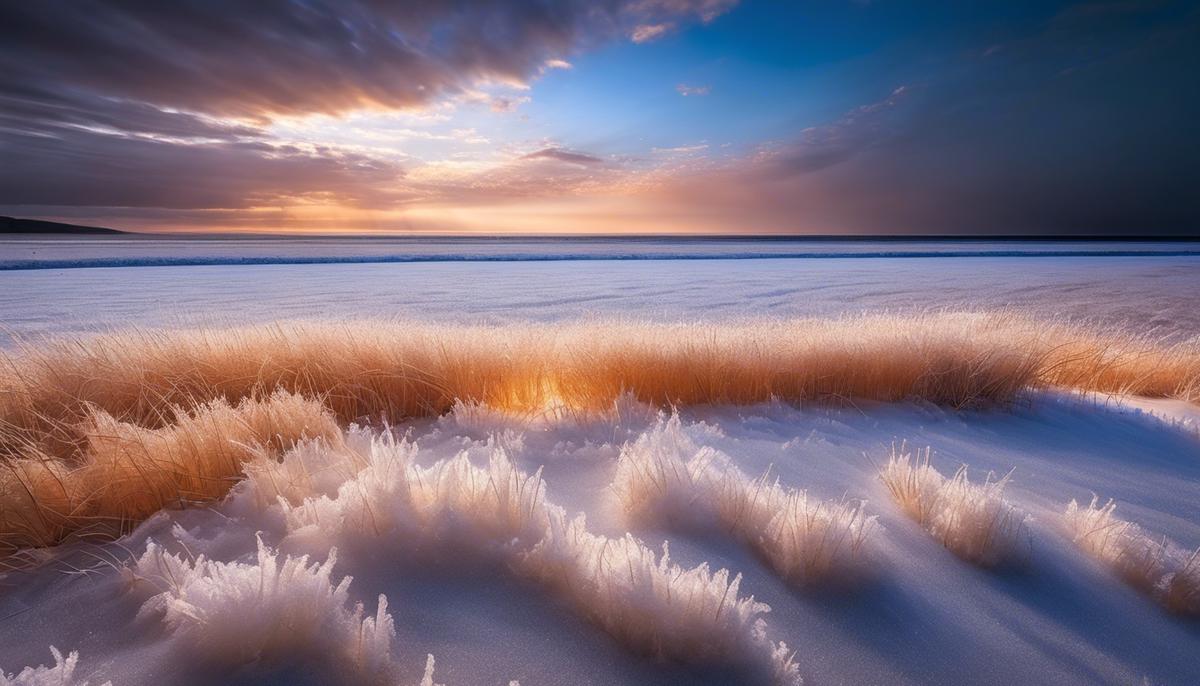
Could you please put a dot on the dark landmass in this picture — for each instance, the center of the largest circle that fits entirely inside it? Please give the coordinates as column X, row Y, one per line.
column 15, row 225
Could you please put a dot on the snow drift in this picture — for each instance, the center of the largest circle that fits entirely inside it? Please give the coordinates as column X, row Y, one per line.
column 665, row 476
column 499, row 514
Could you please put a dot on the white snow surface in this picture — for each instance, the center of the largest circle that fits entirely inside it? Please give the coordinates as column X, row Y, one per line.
column 458, row 587
column 1148, row 294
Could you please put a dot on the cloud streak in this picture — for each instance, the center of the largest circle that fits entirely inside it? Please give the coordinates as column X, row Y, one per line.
column 561, row 155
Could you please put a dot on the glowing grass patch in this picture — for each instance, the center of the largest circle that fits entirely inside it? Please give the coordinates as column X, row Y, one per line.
column 400, row 370
column 93, row 438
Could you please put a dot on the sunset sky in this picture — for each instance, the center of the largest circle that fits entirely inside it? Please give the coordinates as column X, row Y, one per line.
column 658, row 116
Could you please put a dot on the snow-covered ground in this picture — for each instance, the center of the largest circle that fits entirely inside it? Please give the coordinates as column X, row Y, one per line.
column 919, row 615
column 470, row 591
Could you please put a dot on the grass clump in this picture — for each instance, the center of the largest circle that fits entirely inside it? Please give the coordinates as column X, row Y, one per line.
column 665, row 476
column 1151, row 565
column 971, row 520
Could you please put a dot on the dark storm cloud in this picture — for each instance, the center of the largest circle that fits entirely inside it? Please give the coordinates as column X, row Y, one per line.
column 160, row 104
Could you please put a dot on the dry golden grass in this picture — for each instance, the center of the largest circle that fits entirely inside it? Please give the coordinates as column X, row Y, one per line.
column 396, row 370
column 124, row 472
column 89, row 433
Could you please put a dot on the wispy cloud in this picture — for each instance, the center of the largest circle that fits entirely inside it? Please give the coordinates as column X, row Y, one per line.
column 644, row 33
column 504, row 103
column 681, row 149
column 563, row 155
column 685, row 90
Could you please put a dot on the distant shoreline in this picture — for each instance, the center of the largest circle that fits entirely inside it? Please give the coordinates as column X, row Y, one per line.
column 15, row 226
column 38, row 227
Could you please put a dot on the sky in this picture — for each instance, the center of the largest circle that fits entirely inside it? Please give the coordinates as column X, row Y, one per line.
column 603, row 116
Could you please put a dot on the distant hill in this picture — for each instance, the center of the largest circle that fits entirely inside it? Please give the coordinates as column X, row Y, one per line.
column 14, row 225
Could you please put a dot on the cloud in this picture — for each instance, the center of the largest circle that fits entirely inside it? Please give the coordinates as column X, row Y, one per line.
column 681, row 149
column 705, row 10
column 686, row 90
column 1079, row 125
column 230, row 58
column 660, row 17
column 856, row 131
column 561, row 155
column 505, row 103
column 79, row 168
column 172, row 105
column 644, row 33
column 275, row 57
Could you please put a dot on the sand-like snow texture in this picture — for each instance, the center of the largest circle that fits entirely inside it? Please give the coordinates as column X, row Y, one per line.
column 500, row 543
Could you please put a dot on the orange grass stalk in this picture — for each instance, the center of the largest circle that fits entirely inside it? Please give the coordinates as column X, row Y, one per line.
column 396, row 371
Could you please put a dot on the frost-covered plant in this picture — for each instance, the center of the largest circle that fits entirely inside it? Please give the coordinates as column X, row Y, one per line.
column 1180, row 589
column 270, row 610
column 665, row 476
column 501, row 513
column 1151, row 565
column 652, row 604
column 661, row 475
column 496, row 505
column 61, row 674
column 310, row 468
column 1138, row 559
column 810, row 539
column 375, row 501
column 973, row 521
